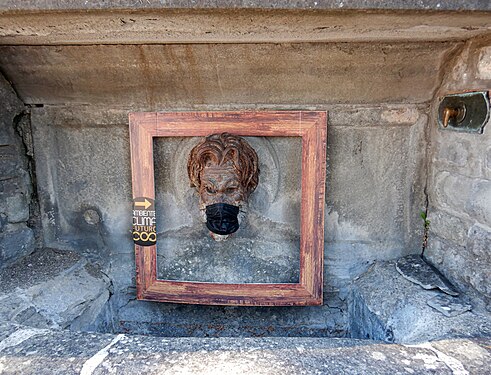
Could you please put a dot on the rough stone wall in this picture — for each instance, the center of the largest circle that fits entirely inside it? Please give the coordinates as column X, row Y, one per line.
column 196, row 76
column 16, row 237
column 376, row 95
column 460, row 184
column 53, row 289
column 85, row 70
column 374, row 193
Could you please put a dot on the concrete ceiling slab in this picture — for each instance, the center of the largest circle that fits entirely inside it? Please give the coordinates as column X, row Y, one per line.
column 246, row 4
column 236, row 26
column 174, row 76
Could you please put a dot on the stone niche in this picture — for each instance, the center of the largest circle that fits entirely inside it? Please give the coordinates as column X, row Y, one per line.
column 265, row 249
column 386, row 161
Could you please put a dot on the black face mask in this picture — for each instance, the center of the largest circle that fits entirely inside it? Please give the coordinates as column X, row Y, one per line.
column 221, row 218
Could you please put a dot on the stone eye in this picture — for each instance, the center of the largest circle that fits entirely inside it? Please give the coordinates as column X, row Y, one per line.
column 210, row 190
column 230, row 190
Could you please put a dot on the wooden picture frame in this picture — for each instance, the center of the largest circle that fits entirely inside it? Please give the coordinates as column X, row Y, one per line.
column 311, row 126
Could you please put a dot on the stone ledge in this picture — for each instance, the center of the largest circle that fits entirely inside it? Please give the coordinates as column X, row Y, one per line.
column 34, row 351
column 29, row 350
column 238, row 25
column 25, row 5
column 385, row 306
column 53, row 289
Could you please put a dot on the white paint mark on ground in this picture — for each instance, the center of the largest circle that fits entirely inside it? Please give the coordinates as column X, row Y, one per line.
column 19, row 336
column 91, row 364
column 379, row 356
column 452, row 363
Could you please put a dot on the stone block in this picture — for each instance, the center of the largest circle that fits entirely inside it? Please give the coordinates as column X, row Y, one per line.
column 385, row 306
column 484, row 64
column 47, row 351
column 454, row 152
column 33, row 351
column 11, row 104
column 6, row 329
column 123, row 275
column 143, row 317
column 177, row 76
column 435, row 250
column 374, row 116
column 407, row 115
column 479, row 279
column 461, row 153
column 479, row 243
column 371, row 172
column 94, row 307
column 12, row 306
column 452, row 191
column 445, row 225
column 487, row 163
column 463, row 195
column 470, row 273
column 3, row 220
column 478, row 204
column 68, row 297
column 345, row 261
column 15, row 242
column 197, row 257
column 18, row 208
column 53, row 289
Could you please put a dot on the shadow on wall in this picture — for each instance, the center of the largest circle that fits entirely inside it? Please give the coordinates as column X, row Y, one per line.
column 16, row 236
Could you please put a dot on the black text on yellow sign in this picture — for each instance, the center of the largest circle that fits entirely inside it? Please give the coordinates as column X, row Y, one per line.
column 144, row 229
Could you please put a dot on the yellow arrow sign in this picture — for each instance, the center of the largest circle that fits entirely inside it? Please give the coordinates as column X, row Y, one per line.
column 144, row 204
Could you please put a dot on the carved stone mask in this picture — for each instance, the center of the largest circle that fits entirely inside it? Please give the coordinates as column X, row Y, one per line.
column 224, row 170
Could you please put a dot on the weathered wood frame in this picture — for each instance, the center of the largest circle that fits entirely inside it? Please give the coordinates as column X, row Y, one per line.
column 312, row 128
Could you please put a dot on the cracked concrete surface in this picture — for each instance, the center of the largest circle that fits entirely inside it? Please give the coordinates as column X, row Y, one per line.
column 41, row 352
column 53, row 289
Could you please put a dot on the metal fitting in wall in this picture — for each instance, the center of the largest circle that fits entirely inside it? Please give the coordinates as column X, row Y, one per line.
column 464, row 112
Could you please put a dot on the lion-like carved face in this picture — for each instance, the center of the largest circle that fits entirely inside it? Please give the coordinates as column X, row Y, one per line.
column 221, row 184
column 224, row 170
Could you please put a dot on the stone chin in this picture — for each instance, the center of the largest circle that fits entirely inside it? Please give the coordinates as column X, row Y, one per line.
column 219, row 237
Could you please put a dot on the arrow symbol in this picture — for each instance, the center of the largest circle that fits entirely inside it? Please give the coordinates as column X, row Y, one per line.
column 144, row 204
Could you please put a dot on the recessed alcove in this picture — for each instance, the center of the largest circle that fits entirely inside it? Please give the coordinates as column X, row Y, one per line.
column 267, row 249
column 66, row 162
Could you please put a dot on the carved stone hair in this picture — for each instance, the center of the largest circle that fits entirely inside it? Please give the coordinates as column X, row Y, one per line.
column 220, row 149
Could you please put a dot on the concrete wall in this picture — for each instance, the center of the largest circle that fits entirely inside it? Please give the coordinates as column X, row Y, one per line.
column 460, row 184
column 374, row 193
column 16, row 237
column 376, row 152
column 226, row 75
column 82, row 23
